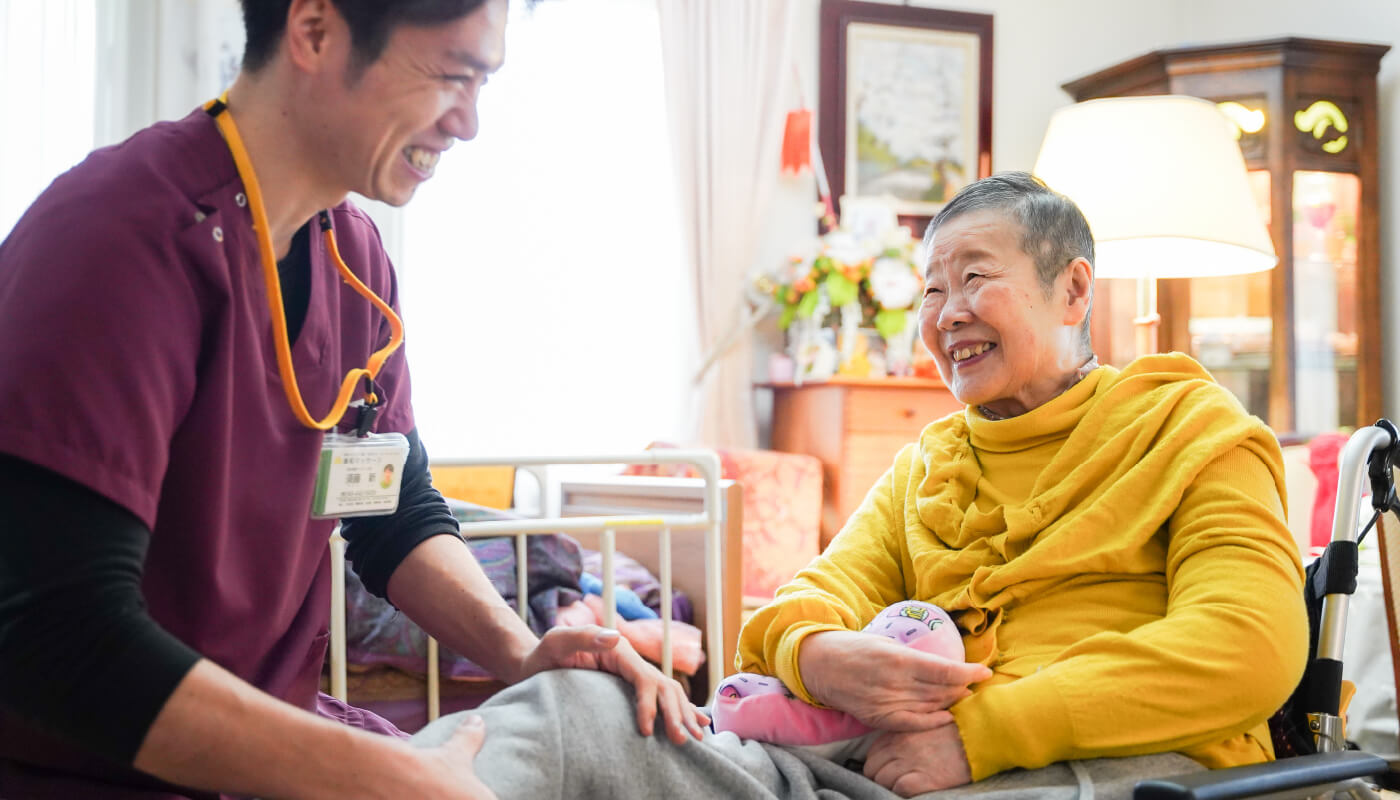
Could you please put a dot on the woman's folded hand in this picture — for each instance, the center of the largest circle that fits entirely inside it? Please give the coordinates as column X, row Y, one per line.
column 882, row 683
column 912, row 763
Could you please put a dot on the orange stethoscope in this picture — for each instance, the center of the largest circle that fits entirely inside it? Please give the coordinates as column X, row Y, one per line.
column 218, row 109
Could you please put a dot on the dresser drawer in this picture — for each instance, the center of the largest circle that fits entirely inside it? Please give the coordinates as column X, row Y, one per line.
column 854, row 427
column 867, row 456
column 897, row 410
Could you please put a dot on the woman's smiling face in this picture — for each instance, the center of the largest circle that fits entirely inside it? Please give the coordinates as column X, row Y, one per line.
column 999, row 338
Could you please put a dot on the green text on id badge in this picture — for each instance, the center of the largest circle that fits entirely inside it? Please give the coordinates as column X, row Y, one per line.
column 359, row 476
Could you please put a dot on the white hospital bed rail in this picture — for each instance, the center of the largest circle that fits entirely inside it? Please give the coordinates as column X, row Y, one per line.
column 709, row 520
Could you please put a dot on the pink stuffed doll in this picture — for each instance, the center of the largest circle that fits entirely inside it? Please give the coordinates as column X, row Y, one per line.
column 753, row 706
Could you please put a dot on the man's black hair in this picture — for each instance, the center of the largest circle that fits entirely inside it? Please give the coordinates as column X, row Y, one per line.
column 371, row 22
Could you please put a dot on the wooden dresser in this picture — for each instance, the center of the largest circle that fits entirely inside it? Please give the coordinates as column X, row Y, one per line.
column 855, row 427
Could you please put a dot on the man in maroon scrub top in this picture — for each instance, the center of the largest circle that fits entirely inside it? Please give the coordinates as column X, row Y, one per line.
column 164, row 593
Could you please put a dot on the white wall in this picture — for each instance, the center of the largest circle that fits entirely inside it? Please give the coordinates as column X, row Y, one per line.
column 1040, row 45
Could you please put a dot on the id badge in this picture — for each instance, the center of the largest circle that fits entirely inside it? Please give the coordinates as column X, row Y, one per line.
column 359, row 476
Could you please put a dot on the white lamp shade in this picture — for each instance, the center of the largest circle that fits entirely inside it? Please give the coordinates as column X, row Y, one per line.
column 1163, row 185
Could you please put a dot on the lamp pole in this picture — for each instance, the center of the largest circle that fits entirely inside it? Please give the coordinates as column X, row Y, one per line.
column 1147, row 320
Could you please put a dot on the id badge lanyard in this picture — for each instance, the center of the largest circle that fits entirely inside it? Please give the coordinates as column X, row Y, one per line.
column 358, row 475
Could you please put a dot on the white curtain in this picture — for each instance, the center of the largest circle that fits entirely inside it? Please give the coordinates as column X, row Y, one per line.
column 726, row 62
column 158, row 59
column 79, row 74
column 46, row 96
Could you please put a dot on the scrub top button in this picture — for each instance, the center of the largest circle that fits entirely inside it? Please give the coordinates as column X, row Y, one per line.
column 218, row 234
column 241, row 199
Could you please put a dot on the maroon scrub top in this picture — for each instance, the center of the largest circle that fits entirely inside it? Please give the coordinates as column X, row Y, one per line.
column 138, row 360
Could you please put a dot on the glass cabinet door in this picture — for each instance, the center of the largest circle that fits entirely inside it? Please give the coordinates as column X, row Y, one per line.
column 1301, row 345
column 1325, row 324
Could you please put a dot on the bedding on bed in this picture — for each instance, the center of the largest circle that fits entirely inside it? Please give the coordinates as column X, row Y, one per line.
column 378, row 635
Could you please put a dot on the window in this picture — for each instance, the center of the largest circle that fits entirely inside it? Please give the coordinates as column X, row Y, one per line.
column 546, row 306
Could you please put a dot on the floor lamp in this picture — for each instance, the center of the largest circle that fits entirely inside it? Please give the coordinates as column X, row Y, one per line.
column 1164, row 187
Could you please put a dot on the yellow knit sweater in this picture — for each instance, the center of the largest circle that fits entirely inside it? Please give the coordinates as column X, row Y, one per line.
column 1118, row 556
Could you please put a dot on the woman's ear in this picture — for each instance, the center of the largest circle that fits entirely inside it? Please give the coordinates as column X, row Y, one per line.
column 1078, row 290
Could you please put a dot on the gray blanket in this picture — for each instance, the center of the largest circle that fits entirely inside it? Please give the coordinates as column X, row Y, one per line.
column 572, row 734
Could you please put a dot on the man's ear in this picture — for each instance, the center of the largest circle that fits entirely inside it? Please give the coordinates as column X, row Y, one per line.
column 1078, row 290
column 310, row 23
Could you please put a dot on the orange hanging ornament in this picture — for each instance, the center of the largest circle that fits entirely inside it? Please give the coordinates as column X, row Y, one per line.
column 797, row 141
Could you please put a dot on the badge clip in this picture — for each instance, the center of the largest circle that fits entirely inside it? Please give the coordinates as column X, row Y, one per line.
column 368, row 410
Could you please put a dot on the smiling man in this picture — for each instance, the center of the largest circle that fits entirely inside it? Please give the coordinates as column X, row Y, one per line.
column 175, row 329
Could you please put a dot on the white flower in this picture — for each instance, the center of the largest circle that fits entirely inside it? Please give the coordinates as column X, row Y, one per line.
column 846, row 248
column 893, row 284
column 789, row 271
column 898, row 238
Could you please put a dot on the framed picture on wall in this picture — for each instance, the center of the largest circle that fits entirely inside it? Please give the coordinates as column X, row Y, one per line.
column 906, row 103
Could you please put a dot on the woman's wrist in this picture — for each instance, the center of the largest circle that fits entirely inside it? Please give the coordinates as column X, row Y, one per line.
column 814, row 655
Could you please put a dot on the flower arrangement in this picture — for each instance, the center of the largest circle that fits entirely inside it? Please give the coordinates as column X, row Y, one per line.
column 880, row 275
column 856, row 276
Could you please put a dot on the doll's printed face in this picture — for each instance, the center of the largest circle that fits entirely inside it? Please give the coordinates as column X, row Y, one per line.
column 913, row 612
column 747, row 684
column 907, row 621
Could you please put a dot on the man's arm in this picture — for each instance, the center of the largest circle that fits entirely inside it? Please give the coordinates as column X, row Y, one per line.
column 79, row 654
column 437, row 581
column 217, row 732
column 378, row 544
column 416, row 559
column 440, row 586
column 81, row 657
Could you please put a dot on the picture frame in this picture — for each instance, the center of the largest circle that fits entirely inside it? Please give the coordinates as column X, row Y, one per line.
column 906, row 103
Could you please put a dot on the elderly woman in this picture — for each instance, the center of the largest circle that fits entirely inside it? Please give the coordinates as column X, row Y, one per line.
column 1111, row 544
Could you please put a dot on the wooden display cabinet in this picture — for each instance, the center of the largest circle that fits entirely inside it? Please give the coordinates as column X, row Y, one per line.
column 854, row 427
column 1300, row 344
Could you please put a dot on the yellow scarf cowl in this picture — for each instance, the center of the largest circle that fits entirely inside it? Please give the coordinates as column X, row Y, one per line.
column 1141, row 438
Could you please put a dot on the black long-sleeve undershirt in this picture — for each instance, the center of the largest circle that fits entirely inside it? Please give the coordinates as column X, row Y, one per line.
column 80, row 656
column 377, row 545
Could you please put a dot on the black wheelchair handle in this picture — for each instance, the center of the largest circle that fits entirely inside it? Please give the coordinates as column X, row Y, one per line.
column 1381, row 470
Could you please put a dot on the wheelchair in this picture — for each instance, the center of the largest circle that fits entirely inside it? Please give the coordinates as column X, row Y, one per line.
column 1313, row 758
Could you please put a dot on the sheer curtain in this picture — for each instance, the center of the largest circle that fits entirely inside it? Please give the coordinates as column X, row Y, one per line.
column 47, row 72
column 160, row 58
column 546, row 308
column 79, row 74
column 726, row 62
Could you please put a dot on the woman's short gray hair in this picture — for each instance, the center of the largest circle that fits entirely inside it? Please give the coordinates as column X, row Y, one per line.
column 1053, row 229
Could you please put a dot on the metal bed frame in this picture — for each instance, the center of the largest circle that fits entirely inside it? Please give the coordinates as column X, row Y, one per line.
column 710, row 520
